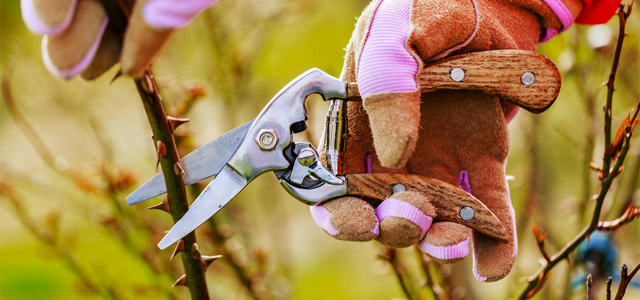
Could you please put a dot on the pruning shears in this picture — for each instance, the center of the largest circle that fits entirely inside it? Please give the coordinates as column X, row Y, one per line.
column 266, row 144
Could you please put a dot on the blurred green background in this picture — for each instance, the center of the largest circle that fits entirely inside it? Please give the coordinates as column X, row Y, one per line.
column 73, row 237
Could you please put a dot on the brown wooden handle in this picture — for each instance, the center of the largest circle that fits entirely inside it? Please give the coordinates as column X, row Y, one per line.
column 499, row 73
column 447, row 199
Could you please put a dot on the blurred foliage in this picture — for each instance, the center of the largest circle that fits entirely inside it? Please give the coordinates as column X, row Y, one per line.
column 67, row 233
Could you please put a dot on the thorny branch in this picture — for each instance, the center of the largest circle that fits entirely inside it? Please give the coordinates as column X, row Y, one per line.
column 176, row 193
column 625, row 279
column 536, row 281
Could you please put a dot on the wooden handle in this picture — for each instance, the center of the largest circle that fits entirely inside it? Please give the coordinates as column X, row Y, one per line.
column 527, row 79
column 447, row 199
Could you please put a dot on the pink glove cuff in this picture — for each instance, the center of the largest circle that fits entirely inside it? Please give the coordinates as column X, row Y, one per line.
column 563, row 14
column 401, row 209
column 80, row 66
column 456, row 251
column 36, row 25
column 170, row 14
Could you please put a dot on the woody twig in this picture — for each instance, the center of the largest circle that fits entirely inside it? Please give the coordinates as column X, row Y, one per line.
column 616, row 157
column 169, row 162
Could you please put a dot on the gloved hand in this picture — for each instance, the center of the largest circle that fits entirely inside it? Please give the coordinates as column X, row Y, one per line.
column 459, row 137
column 88, row 37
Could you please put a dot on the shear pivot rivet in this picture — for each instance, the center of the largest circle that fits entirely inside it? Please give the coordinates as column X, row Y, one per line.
column 267, row 139
column 467, row 213
column 457, row 74
column 397, row 188
column 528, row 78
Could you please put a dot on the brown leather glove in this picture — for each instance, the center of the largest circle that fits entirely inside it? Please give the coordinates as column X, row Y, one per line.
column 459, row 137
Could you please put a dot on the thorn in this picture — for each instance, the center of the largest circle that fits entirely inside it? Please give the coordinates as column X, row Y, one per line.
column 181, row 281
column 177, row 169
column 208, row 260
column 175, row 122
column 118, row 75
column 148, row 83
column 195, row 251
column 179, row 248
column 163, row 206
column 162, row 152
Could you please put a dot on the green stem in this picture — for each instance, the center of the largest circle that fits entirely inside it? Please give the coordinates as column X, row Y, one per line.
column 176, row 192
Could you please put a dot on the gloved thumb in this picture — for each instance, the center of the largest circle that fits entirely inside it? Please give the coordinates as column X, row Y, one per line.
column 394, row 119
column 151, row 24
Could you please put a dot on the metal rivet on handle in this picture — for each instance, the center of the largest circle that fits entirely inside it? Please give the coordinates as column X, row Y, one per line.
column 267, row 139
column 467, row 213
column 397, row 188
column 457, row 74
column 528, row 78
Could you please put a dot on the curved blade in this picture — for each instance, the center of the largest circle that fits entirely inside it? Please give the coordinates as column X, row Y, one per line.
column 216, row 195
column 198, row 165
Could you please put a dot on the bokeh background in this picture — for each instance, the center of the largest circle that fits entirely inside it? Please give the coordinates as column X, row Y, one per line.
column 66, row 232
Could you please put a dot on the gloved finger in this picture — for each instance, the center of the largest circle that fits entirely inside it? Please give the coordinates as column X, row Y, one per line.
column 108, row 55
column 346, row 218
column 48, row 17
column 151, row 24
column 446, row 242
column 404, row 219
column 493, row 260
column 70, row 52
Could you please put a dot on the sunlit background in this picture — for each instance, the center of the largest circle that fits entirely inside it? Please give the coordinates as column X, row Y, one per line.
column 66, row 232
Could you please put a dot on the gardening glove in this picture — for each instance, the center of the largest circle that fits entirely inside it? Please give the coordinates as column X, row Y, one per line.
column 459, row 137
column 88, row 37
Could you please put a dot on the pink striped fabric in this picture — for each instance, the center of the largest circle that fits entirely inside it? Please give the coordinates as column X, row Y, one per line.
column 563, row 14
column 385, row 64
column 36, row 25
column 400, row 209
column 169, row 14
column 455, row 251
column 321, row 216
column 84, row 62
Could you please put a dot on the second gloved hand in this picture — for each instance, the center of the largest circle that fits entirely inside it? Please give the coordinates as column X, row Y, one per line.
column 87, row 37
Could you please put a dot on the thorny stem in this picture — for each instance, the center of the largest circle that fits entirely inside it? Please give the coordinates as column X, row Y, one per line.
column 606, row 160
column 176, row 192
column 536, row 281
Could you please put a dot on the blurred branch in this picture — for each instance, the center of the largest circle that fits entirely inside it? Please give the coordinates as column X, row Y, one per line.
column 632, row 213
column 391, row 256
column 589, row 287
column 172, row 172
column 50, row 239
column 437, row 291
column 536, row 281
column 24, row 125
column 625, row 279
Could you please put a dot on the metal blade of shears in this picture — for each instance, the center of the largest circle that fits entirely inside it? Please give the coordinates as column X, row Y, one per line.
column 198, row 165
column 227, row 184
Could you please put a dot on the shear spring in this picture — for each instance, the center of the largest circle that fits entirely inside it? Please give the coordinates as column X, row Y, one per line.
column 334, row 136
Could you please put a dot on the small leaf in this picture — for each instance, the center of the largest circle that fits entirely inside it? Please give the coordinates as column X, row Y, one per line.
column 614, row 149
